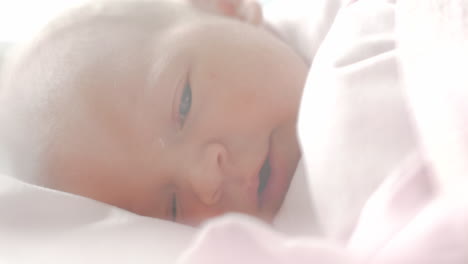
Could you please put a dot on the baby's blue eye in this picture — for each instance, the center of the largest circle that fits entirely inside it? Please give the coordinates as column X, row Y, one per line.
column 185, row 103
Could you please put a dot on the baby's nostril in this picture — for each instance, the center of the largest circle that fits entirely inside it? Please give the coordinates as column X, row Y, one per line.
column 221, row 157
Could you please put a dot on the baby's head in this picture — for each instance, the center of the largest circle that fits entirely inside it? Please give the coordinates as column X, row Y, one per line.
column 157, row 107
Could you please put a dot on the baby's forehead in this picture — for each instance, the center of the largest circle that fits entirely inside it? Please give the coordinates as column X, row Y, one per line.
column 97, row 34
column 114, row 19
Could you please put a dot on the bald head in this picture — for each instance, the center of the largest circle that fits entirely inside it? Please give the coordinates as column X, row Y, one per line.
column 66, row 90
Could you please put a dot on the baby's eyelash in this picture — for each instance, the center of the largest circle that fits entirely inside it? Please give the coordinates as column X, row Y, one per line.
column 174, row 207
column 185, row 103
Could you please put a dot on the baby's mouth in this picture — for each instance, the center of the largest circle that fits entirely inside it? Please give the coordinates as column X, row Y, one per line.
column 264, row 176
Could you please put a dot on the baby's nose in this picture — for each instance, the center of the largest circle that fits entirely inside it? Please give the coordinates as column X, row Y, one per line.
column 207, row 177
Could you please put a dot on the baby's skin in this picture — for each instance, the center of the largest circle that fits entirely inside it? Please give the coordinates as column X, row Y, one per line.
column 180, row 110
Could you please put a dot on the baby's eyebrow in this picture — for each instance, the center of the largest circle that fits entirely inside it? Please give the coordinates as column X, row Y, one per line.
column 162, row 142
column 156, row 71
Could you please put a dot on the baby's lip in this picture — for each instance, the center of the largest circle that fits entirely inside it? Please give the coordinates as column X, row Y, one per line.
column 255, row 182
column 281, row 173
column 263, row 201
column 263, row 178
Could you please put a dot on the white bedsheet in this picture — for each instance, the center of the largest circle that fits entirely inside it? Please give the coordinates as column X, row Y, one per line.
column 39, row 225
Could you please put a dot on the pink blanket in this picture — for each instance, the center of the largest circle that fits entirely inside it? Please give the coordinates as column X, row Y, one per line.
column 418, row 210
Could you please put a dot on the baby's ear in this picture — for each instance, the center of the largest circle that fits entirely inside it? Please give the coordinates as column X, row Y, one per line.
column 248, row 11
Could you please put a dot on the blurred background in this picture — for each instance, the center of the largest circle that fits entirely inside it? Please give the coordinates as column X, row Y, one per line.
column 20, row 18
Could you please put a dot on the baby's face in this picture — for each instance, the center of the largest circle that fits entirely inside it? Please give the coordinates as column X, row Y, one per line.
column 204, row 123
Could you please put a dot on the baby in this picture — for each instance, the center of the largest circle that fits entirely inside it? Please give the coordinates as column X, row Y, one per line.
column 180, row 110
